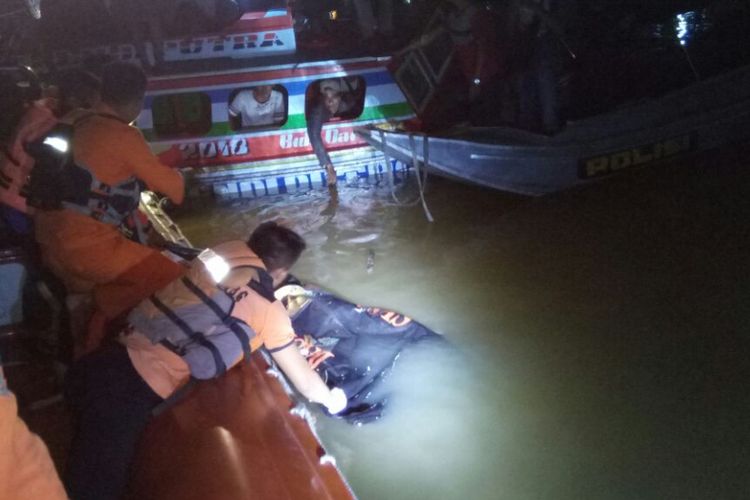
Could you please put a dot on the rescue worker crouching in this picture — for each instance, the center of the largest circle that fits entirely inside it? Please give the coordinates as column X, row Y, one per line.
column 199, row 326
column 77, row 229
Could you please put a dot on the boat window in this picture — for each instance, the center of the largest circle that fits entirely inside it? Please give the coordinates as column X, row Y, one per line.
column 345, row 95
column 181, row 114
column 261, row 106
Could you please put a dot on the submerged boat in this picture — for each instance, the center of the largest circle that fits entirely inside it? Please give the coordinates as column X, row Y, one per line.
column 704, row 116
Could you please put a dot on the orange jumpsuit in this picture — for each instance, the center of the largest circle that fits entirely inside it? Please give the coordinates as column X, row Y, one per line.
column 90, row 255
column 26, row 469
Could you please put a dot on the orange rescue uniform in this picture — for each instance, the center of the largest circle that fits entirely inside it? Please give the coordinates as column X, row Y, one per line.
column 165, row 371
column 88, row 254
column 26, row 469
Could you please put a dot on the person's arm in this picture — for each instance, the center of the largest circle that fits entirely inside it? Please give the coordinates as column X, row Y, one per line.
column 315, row 121
column 235, row 110
column 307, row 381
column 26, row 469
column 275, row 329
column 147, row 167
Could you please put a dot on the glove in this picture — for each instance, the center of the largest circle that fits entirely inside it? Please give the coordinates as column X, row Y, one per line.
column 336, row 402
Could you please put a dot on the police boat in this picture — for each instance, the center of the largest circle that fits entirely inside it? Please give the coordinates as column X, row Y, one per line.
column 702, row 117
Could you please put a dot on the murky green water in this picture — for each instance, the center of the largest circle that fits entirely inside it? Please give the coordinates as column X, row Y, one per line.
column 601, row 335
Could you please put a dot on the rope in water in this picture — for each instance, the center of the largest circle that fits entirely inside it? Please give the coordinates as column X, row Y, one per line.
column 422, row 184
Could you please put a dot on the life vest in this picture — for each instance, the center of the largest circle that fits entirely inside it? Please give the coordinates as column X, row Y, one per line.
column 15, row 162
column 192, row 316
column 73, row 186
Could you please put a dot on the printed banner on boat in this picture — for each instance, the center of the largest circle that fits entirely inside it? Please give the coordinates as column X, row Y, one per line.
column 241, row 149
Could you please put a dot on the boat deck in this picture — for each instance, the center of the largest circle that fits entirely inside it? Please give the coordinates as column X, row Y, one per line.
column 235, row 437
column 230, row 438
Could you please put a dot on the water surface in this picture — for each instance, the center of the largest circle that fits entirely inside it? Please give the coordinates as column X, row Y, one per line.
column 600, row 335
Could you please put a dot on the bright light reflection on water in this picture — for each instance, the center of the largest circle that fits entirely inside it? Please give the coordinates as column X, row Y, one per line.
column 600, row 336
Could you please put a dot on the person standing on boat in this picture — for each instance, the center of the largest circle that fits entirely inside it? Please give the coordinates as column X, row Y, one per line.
column 479, row 51
column 536, row 63
column 77, row 230
column 258, row 107
column 332, row 101
column 198, row 326
column 374, row 31
column 481, row 56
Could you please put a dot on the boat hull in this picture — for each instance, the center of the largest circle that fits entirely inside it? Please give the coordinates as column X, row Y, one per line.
column 238, row 439
column 248, row 163
column 706, row 116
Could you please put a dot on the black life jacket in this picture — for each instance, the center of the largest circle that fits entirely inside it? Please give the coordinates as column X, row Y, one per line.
column 57, row 181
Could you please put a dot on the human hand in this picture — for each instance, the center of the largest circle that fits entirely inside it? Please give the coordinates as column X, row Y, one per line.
column 336, row 401
column 330, row 174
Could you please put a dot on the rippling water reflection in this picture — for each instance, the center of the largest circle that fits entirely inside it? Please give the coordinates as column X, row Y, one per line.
column 600, row 336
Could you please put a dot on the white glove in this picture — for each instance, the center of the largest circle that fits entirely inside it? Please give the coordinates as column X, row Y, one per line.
column 336, row 401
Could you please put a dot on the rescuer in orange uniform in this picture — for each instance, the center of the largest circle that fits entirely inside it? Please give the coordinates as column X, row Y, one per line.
column 200, row 325
column 111, row 162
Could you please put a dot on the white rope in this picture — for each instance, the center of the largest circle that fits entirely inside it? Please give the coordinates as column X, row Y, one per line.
column 420, row 185
column 690, row 62
column 425, row 159
column 392, row 174
column 12, row 13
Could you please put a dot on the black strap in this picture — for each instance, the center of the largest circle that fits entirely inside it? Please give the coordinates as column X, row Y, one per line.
column 174, row 398
column 169, row 345
column 261, row 290
column 224, row 317
column 196, row 336
column 264, row 288
column 221, row 367
column 169, row 313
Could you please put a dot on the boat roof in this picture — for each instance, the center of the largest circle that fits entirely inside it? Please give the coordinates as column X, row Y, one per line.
column 299, row 61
